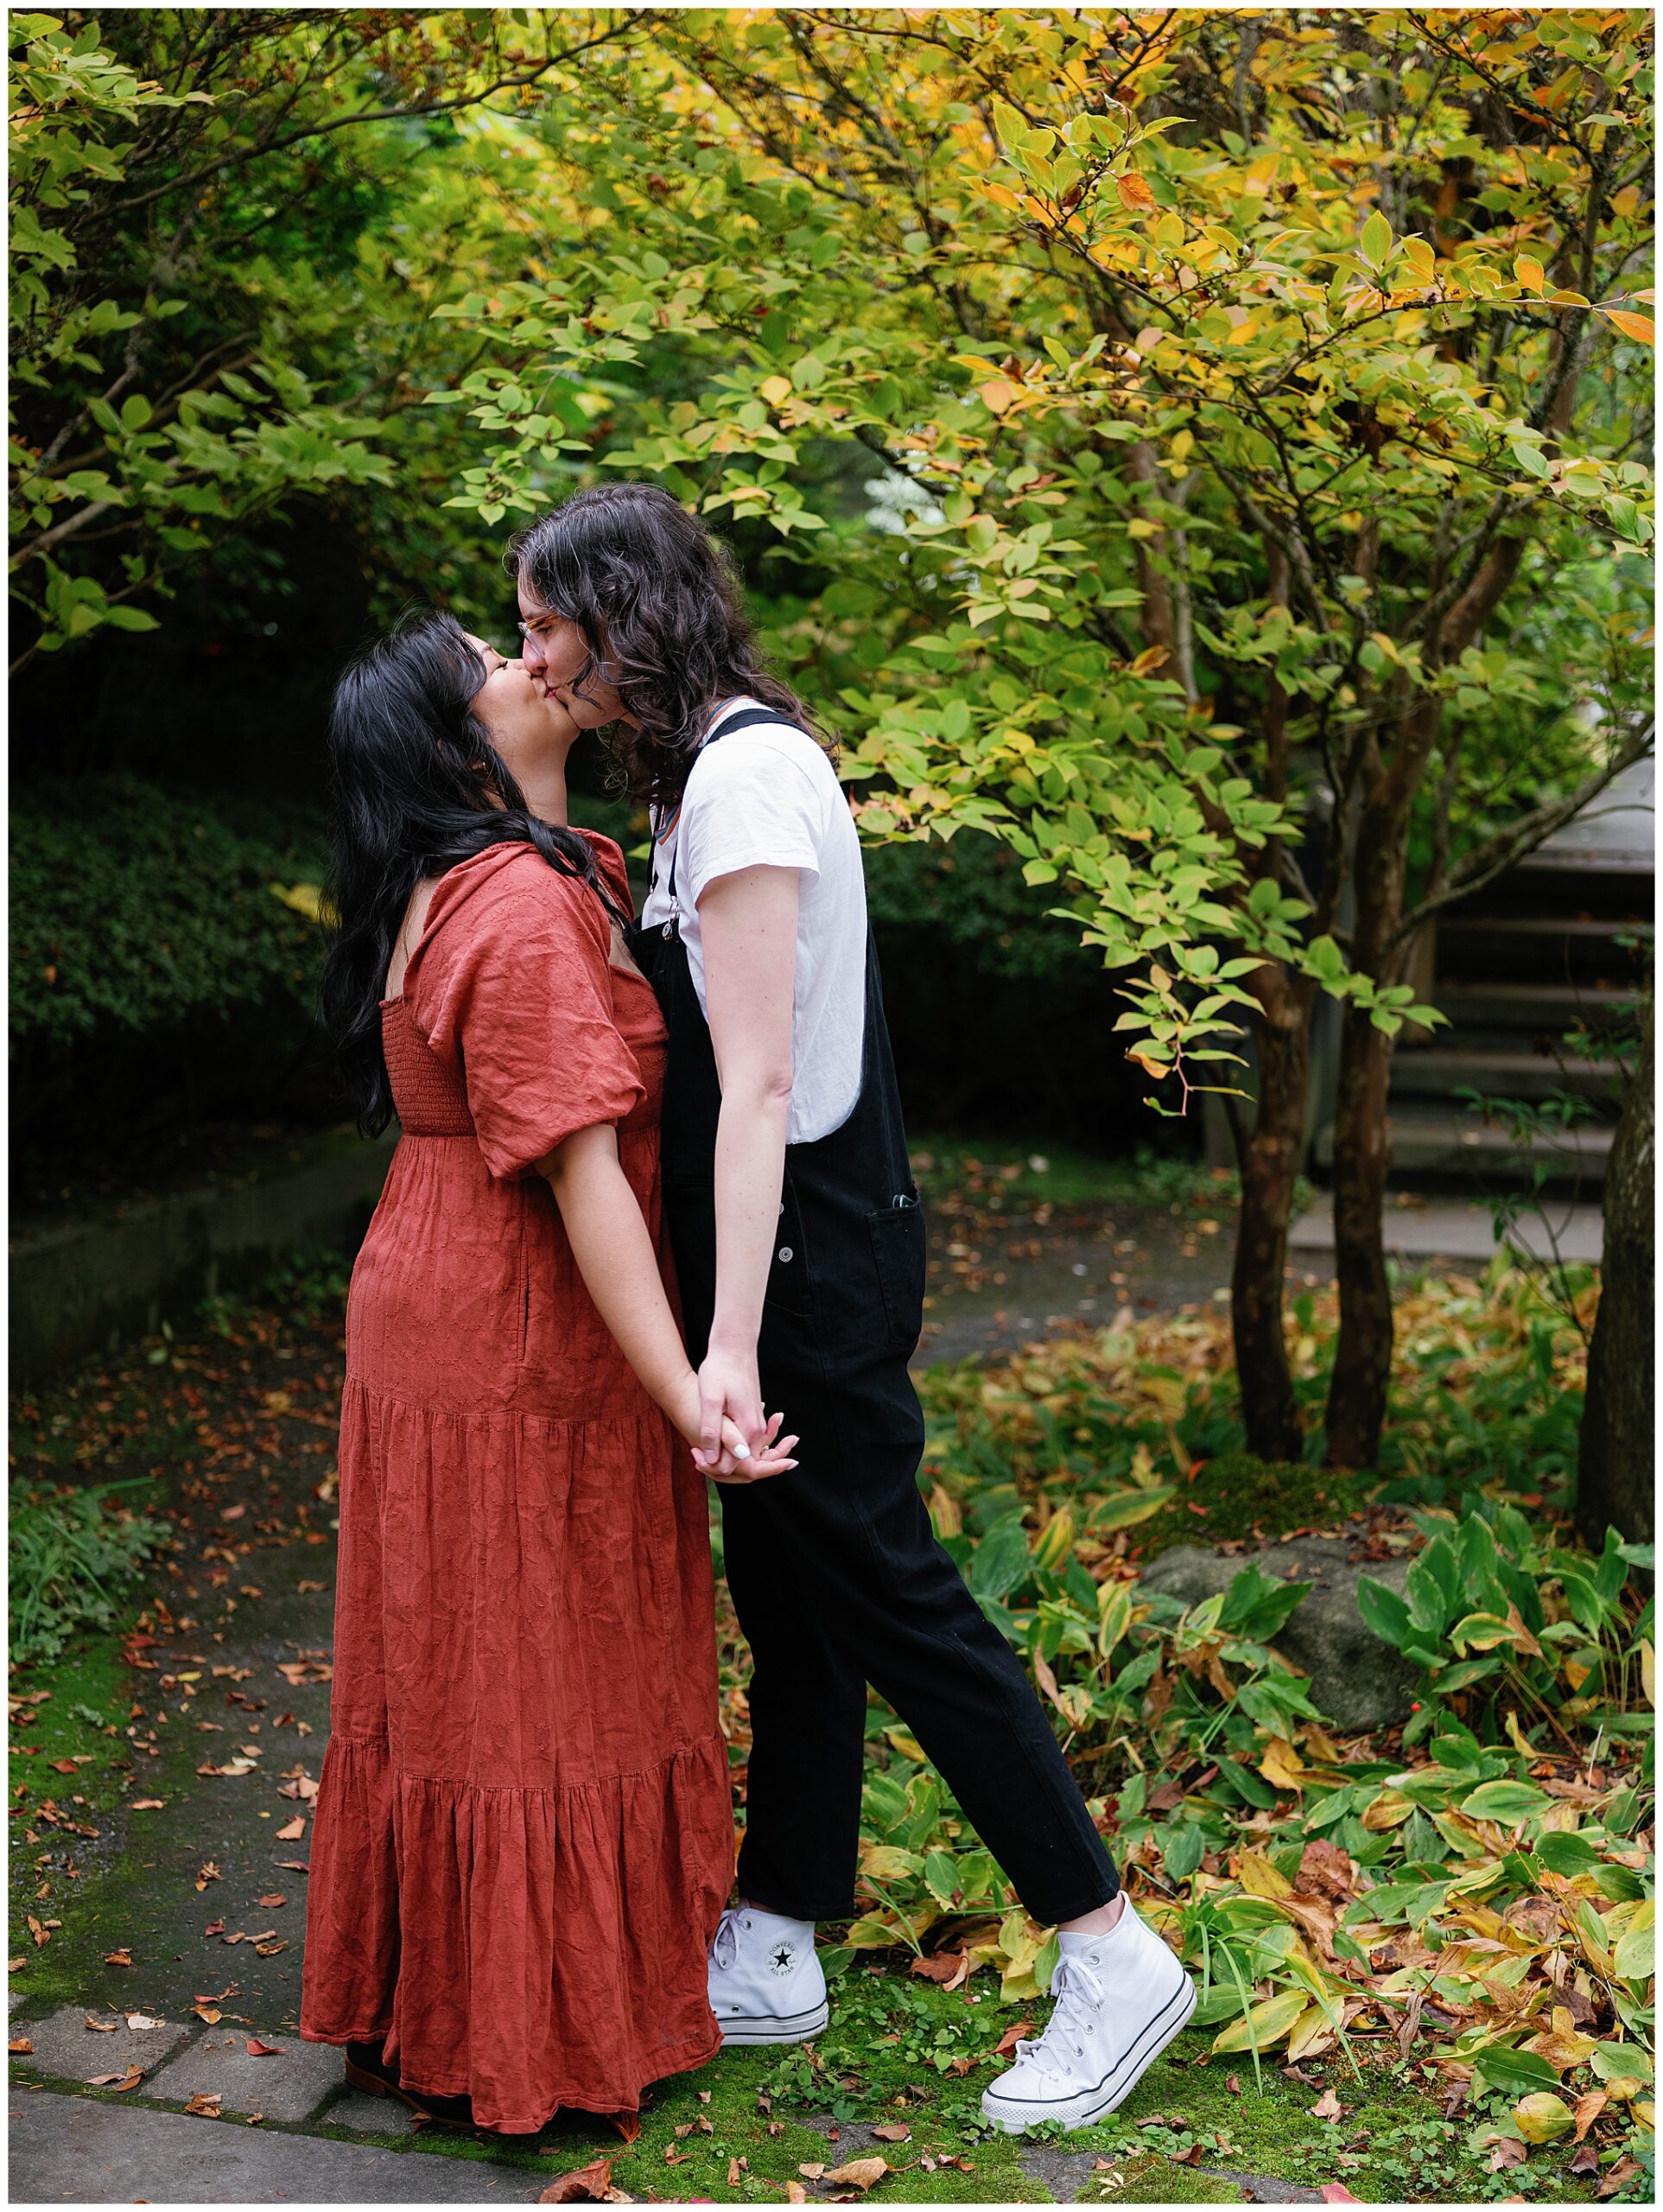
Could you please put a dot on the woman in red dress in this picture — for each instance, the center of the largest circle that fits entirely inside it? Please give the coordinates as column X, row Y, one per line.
column 522, row 1838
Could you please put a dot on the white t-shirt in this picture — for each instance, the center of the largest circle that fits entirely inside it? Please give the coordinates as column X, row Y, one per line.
column 769, row 797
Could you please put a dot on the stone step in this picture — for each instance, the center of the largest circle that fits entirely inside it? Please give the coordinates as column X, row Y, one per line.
column 1426, row 1141
column 1477, row 948
column 1437, row 1070
column 1530, row 1008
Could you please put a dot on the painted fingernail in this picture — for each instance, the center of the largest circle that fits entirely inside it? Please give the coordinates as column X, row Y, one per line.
column 741, row 1450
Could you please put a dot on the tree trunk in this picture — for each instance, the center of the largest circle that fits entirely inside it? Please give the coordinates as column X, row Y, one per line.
column 1362, row 1154
column 1614, row 1480
column 1269, row 1160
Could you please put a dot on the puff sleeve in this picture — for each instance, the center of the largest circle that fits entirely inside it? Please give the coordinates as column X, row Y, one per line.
column 516, row 995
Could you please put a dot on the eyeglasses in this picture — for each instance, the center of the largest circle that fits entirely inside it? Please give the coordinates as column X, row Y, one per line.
column 537, row 629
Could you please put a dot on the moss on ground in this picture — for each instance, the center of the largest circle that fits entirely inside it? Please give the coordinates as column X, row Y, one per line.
column 1235, row 1498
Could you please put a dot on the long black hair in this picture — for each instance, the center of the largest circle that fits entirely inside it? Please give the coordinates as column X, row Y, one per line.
column 657, row 599
column 417, row 787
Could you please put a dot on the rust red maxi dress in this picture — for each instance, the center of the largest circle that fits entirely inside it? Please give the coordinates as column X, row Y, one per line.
column 522, row 1838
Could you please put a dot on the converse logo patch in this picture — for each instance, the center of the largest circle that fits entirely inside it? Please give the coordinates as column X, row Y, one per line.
column 780, row 1959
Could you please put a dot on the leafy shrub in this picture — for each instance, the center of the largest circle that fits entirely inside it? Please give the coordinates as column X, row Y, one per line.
column 73, row 1551
column 1478, row 1880
column 137, row 908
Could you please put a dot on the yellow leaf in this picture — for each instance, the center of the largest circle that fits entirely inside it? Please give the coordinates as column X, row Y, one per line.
column 1135, row 195
column 1282, row 1765
column 1648, row 1672
column 1388, row 1810
column 1529, row 273
column 885, row 1862
column 1633, row 326
column 1260, row 1879
column 907, row 1746
column 777, row 391
column 1539, row 2118
column 997, row 394
column 1264, row 2025
column 1313, row 2034
column 1562, row 2044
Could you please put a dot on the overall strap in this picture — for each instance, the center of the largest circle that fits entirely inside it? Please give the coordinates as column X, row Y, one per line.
column 724, row 726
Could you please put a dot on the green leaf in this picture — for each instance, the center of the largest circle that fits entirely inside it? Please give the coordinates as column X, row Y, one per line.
column 1515, row 2073
column 1383, row 1612
column 1376, row 239
column 1512, row 1803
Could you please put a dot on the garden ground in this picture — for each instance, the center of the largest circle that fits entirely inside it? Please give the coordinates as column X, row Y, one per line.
column 161, row 1882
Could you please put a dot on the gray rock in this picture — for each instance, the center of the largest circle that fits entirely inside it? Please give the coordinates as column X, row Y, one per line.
column 67, row 2050
column 1356, row 1679
column 289, row 2086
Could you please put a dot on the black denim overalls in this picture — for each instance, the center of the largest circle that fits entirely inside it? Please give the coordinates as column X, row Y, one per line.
column 835, row 1570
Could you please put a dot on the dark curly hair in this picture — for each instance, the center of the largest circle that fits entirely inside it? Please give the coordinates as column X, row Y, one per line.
column 657, row 599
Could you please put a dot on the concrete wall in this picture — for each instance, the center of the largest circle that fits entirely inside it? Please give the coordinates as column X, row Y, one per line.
column 86, row 1285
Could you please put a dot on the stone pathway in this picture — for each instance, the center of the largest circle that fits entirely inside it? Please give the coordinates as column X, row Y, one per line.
column 70, row 2150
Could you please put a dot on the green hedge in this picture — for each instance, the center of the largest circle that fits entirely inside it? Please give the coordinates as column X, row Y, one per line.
column 135, row 908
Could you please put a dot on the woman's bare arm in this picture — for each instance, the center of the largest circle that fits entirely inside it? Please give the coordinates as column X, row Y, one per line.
column 747, row 923
column 619, row 1268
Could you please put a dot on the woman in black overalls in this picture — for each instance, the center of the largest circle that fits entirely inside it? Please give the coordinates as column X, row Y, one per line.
column 835, row 1571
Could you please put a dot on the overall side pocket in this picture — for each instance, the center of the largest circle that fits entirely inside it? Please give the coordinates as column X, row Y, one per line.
column 898, row 1251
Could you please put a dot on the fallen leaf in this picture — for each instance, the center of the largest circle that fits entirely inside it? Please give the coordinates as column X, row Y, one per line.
column 138, row 2022
column 268, row 1904
column 1541, row 2116
column 129, row 2079
column 214, row 1927
column 271, row 1950
column 949, row 1969
column 1506, row 2151
column 256, row 2049
column 40, row 1935
column 795, row 2193
column 1589, row 2109
column 103, row 2027
column 292, row 1831
column 20, row 2046
column 211, row 2013
column 897, row 2131
column 583, row 2185
column 1619, row 2178
column 736, row 2168
column 205, row 2104
column 118, row 1958
column 147, row 1804
column 860, row 2173
column 1007, row 2042
column 1327, row 2107
column 1586, row 2160
column 811, row 2173
column 1233, row 2083
column 1335, row 2192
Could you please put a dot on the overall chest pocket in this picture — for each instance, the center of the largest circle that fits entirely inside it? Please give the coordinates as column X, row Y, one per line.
column 898, row 1250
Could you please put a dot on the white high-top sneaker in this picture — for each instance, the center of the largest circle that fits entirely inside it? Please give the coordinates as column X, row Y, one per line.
column 1120, row 1999
column 765, row 1982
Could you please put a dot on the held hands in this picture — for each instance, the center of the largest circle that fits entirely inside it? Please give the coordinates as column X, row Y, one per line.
column 721, row 1448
